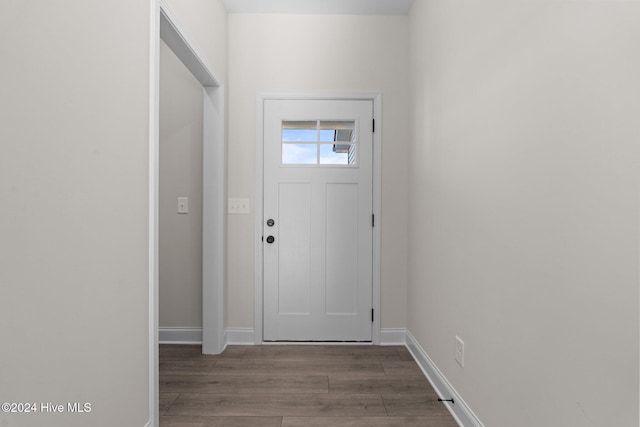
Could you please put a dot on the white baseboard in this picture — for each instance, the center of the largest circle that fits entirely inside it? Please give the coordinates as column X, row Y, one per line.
column 391, row 336
column 239, row 336
column 463, row 415
column 180, row 335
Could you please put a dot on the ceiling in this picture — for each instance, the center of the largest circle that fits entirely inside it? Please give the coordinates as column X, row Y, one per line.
column 329, row 7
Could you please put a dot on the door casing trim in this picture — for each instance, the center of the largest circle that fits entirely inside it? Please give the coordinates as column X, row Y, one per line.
column 376, row 98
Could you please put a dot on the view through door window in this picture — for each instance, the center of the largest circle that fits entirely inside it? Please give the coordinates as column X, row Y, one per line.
column 319, row 142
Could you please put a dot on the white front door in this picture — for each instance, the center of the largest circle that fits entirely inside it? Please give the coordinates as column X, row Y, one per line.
column 318, row 190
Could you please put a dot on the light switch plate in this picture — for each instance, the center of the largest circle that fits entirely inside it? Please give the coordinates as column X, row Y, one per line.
column 238, row 206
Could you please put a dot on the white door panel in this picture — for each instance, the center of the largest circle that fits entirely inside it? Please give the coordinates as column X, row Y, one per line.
column 294, row 249
column 341, row 272
column 318, row 192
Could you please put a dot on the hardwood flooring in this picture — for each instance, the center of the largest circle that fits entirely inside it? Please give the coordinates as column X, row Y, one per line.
column 296, row 386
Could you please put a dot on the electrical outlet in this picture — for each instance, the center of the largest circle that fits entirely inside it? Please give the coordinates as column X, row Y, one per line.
column 459, row 351
column 183, row 205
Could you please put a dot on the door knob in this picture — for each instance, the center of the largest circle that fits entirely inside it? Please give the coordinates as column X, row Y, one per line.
column 270, row 239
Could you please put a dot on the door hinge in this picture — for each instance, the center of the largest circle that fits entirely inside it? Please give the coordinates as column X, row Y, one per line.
column 373, row 220
column 374, row 125
column 372, row 315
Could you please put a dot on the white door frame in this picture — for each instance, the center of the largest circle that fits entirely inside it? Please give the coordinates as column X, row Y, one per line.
column 376, row 98
column 165, row 26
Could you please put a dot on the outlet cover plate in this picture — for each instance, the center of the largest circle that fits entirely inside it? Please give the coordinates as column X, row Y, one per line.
column 183, row 205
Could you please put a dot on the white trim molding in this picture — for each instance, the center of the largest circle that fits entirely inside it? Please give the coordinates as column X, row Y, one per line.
column 214, row 220
column 232, row 336
column 180, row 335
column 154, row 186
column 461, row 412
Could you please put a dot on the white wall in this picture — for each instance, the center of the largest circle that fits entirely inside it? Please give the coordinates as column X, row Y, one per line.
column 524, row 206
column 304, row 53
column 180, row 242
column 74, row 106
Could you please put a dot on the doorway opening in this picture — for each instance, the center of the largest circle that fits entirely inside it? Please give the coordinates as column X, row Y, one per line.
column 165, row 27
column 180, row 203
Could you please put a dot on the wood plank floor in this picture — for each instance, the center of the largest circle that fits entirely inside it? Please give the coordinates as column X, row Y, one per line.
column 295, row 386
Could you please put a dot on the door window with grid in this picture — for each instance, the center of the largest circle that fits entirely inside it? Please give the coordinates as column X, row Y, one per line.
column 319, row 142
